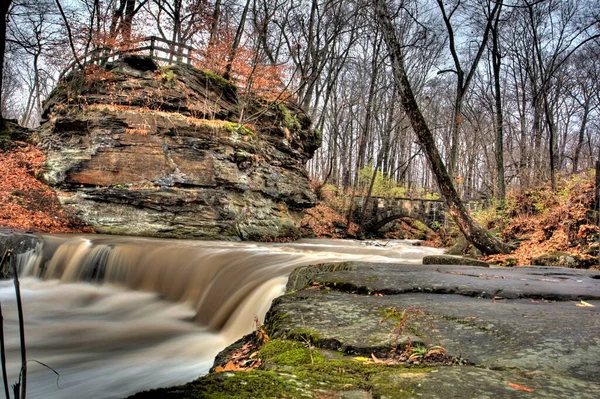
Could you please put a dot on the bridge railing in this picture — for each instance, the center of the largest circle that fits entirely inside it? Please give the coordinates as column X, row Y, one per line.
column 159, row 49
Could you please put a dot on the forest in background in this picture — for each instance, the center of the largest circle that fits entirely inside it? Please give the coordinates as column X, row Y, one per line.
column 503, row 94
column 510, row 89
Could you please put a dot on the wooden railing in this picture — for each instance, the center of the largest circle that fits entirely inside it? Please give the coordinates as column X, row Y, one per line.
column 159, row 49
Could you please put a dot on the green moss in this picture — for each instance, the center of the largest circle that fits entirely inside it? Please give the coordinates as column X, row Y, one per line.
column 167, row 74
column 272, row 321
column 287, row 119
column 305, row 334
column 349, row 374
column 254, row 384
column 218, row 80
column 289, row 353
column 318, row 134
column 237, row 128
column 293, row 373
column 391, row 314
column 420, row 225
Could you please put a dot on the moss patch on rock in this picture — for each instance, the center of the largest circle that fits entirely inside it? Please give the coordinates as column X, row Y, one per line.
column 284, row 352
column 292, row 369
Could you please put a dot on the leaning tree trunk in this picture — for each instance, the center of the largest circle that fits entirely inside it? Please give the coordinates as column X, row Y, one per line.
column 478, row 236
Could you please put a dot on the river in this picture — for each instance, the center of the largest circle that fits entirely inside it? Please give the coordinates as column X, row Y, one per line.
column 116, row 315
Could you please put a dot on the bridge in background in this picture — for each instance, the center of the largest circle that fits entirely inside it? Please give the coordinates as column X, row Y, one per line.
column 383, row 210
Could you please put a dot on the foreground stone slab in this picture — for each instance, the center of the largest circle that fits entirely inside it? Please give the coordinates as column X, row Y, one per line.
column 485, row 383
column 521, row 332
column 553, row 283
column 502, row 334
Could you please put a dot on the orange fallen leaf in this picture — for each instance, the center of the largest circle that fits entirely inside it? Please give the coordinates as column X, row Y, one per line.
column 520, row 387
column 230, row 366
column 470, row 317
column 583, row 304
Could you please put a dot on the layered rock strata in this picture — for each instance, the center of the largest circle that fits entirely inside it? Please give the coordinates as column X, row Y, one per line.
column 135, row 148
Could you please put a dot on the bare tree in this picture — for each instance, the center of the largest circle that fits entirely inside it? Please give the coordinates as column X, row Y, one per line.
column 478, row 236
column 4, row 9
column 464, row 77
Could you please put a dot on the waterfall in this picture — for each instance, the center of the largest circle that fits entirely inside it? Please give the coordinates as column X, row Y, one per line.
column 115, row 315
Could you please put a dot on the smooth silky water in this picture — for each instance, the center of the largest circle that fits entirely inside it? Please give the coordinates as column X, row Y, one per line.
column 116, row 315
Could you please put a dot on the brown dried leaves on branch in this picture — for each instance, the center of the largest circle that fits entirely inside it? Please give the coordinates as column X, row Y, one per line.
column 25, row 202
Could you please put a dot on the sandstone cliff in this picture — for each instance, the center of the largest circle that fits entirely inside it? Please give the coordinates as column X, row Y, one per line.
column 134, row 148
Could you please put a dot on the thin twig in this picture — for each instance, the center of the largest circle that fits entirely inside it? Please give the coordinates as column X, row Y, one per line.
column 48, row 367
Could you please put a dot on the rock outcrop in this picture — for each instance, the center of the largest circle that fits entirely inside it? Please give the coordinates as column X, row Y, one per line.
column 135, row 148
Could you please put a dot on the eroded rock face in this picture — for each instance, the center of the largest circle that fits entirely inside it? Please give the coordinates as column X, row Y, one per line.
column 134, row 148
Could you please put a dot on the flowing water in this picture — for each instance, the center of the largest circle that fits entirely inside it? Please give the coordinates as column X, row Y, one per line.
column 116, row 315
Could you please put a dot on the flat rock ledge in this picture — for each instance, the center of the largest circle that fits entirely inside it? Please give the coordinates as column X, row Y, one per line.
column 524, row 331
column 452, row 260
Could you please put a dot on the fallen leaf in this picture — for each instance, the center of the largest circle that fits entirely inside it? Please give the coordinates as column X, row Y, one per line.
column 520, row 387
column 230, row 366
column 583, row 304
column 470, row 317
column 375, row 359
column 362, row 359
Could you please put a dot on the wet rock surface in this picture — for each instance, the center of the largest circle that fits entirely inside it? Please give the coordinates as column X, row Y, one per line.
column 138, row 149
column 519, row 331
column 452, row 260
column 521, row 325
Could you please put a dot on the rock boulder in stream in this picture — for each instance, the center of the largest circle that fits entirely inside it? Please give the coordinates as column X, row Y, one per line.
column 138, row 149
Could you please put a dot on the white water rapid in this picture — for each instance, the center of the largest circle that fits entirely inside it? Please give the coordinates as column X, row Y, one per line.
column 117, row 315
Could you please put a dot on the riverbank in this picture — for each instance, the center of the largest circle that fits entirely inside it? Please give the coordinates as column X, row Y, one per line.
column 337, row 333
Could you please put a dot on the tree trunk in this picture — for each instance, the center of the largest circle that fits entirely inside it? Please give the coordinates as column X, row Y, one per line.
column 496, row 62
column 586, row 111
column 597, row 189
column 4, row 7
column 456, row 123
column 214, row 24
column 128, row 21
column 478, row 236
column 551, row 142
column 236, row 42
